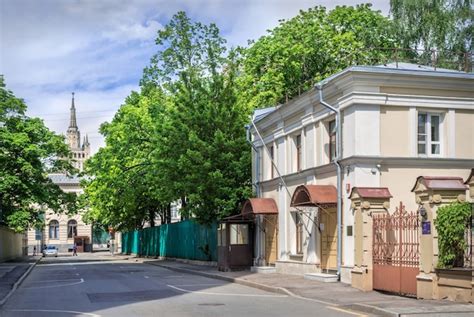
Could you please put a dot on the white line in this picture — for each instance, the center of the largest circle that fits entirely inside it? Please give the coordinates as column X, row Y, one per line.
column 146, row 276
column 346, row 311
column 224, row 294
column 52, row 286
column 55, row 311
column 183, row 285
column 51, row 281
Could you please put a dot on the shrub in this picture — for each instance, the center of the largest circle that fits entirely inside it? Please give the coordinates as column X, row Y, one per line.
column 451, row 223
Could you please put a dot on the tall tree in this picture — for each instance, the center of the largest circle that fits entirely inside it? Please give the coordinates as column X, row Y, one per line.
column 28, row 152
column 442, row 25
column 310, row 47
column 202, row 145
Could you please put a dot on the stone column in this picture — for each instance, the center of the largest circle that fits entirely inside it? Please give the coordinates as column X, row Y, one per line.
column 365, row 202
column 430, row 194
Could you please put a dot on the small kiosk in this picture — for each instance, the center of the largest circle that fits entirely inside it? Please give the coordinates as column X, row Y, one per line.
column 236, row 235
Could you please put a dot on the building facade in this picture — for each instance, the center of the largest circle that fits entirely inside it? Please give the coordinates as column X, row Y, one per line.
column 398, row 122
column 62, row 230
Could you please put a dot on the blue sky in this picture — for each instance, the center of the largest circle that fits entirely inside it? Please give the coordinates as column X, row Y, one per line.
column 98, row 48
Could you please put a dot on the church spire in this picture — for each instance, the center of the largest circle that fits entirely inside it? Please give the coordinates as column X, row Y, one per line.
column 72, row 122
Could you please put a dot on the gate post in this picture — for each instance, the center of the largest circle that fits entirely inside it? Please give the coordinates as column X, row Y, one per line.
column 365, row 202
column 432, row 193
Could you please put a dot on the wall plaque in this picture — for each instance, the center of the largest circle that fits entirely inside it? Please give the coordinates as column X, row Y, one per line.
column 425, row 227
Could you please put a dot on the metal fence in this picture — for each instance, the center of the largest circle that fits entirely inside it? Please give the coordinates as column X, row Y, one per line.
column 469, row 238
column 186, row 239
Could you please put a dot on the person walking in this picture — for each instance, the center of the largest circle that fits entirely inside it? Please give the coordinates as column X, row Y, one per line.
column 74, row 250
column 34, row 251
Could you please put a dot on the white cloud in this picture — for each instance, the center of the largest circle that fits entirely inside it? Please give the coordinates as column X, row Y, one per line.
column 99, row 48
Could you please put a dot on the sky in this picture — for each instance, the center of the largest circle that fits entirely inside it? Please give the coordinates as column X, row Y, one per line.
column 98, row 48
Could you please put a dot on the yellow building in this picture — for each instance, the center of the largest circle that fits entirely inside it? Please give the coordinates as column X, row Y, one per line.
column 398, row 122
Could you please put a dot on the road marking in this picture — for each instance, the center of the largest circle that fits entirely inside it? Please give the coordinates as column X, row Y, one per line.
column 52, row 281
column 55, row 311
column 146, row 276
column 52, row 286
column 346, row 311
column 224, row 294
column 184, row 285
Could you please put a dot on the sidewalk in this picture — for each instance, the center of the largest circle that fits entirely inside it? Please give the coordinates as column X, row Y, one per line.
column 333, row 294
column 12, row 273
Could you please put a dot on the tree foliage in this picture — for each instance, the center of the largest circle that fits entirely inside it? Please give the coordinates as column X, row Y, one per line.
column 181, row 138
column 451, row 222
column 310, row 47
column 28, row 152
column 442, row 25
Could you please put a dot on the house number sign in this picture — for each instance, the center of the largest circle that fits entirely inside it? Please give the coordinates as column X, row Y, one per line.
column 425, row 227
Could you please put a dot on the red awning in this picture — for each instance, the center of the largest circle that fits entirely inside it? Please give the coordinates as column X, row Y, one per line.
column 441, row 182
column 371, row 192
column 314, row 195
column 259, row 206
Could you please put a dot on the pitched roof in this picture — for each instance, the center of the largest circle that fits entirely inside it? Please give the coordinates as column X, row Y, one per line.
column 371, row 192
column 441, row 182
column 64, row 179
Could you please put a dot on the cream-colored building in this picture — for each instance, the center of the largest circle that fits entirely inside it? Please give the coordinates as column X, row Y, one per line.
column 398, row 122
column 62, row 230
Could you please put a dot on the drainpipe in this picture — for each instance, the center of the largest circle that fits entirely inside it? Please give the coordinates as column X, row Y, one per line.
column 339, row 175
column 258, row 238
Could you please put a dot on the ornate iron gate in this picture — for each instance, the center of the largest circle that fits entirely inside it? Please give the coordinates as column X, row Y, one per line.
column 396, row 251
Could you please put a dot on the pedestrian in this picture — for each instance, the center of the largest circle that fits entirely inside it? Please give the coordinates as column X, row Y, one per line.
column 74, row 250
column 34, row 251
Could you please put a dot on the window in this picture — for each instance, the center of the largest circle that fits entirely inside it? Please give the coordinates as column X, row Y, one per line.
column 272, row 162
column 429, row 139
column 332, row 140
column 221, row 235
column 38, row 234
column 299, row 234
column 54, row 229
column 239, row 234
column 299, row 153
column 71, row 228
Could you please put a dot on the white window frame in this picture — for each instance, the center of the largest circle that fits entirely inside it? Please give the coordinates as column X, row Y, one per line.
column 428, row 143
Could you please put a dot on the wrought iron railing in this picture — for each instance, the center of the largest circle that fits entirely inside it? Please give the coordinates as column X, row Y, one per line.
column 469, row 238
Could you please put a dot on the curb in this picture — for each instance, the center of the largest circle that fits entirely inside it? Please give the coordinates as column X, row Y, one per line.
column 18, row 283
column 363, row 308
column 263, row 287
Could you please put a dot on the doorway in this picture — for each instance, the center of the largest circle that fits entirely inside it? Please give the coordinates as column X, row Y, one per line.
column 328, row 229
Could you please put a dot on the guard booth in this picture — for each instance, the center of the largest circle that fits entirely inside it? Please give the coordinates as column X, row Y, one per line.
column 234, row 244
column 237, row 235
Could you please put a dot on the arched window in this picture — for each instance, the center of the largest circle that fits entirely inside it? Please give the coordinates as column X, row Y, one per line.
column 54, row 229
column 71, row 228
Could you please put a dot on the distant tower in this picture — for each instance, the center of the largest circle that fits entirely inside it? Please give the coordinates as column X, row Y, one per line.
column 80, row 153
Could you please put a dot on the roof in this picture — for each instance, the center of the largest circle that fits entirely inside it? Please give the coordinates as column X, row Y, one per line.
column 260, row 206
column 314, row 195
column 402, row 68
column 409, row 66
column 441, row 182
column 64, row 179
column 262, row 113
column 470, row 177
column 371, row 192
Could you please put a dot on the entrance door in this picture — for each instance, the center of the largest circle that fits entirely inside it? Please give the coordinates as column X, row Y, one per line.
column 79, row 243
column 271, row 238
column 328, row 229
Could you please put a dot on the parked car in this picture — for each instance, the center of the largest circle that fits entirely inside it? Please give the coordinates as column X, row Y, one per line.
column 50, row 250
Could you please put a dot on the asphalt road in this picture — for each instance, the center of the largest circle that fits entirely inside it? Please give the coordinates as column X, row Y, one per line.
column 91, row 285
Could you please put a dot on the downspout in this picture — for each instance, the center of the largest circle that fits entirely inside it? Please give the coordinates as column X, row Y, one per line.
column 258, row 252
column 339, row 175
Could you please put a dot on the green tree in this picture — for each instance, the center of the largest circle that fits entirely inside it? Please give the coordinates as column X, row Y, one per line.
column 442, row 25
column 310, row 47
column 202, row 147
column 28, row 152
column 122, row 189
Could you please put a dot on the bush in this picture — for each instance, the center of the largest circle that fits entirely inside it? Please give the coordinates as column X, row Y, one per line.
column 451, row 223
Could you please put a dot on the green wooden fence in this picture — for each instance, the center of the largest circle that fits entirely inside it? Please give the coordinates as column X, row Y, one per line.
column 186, row 239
